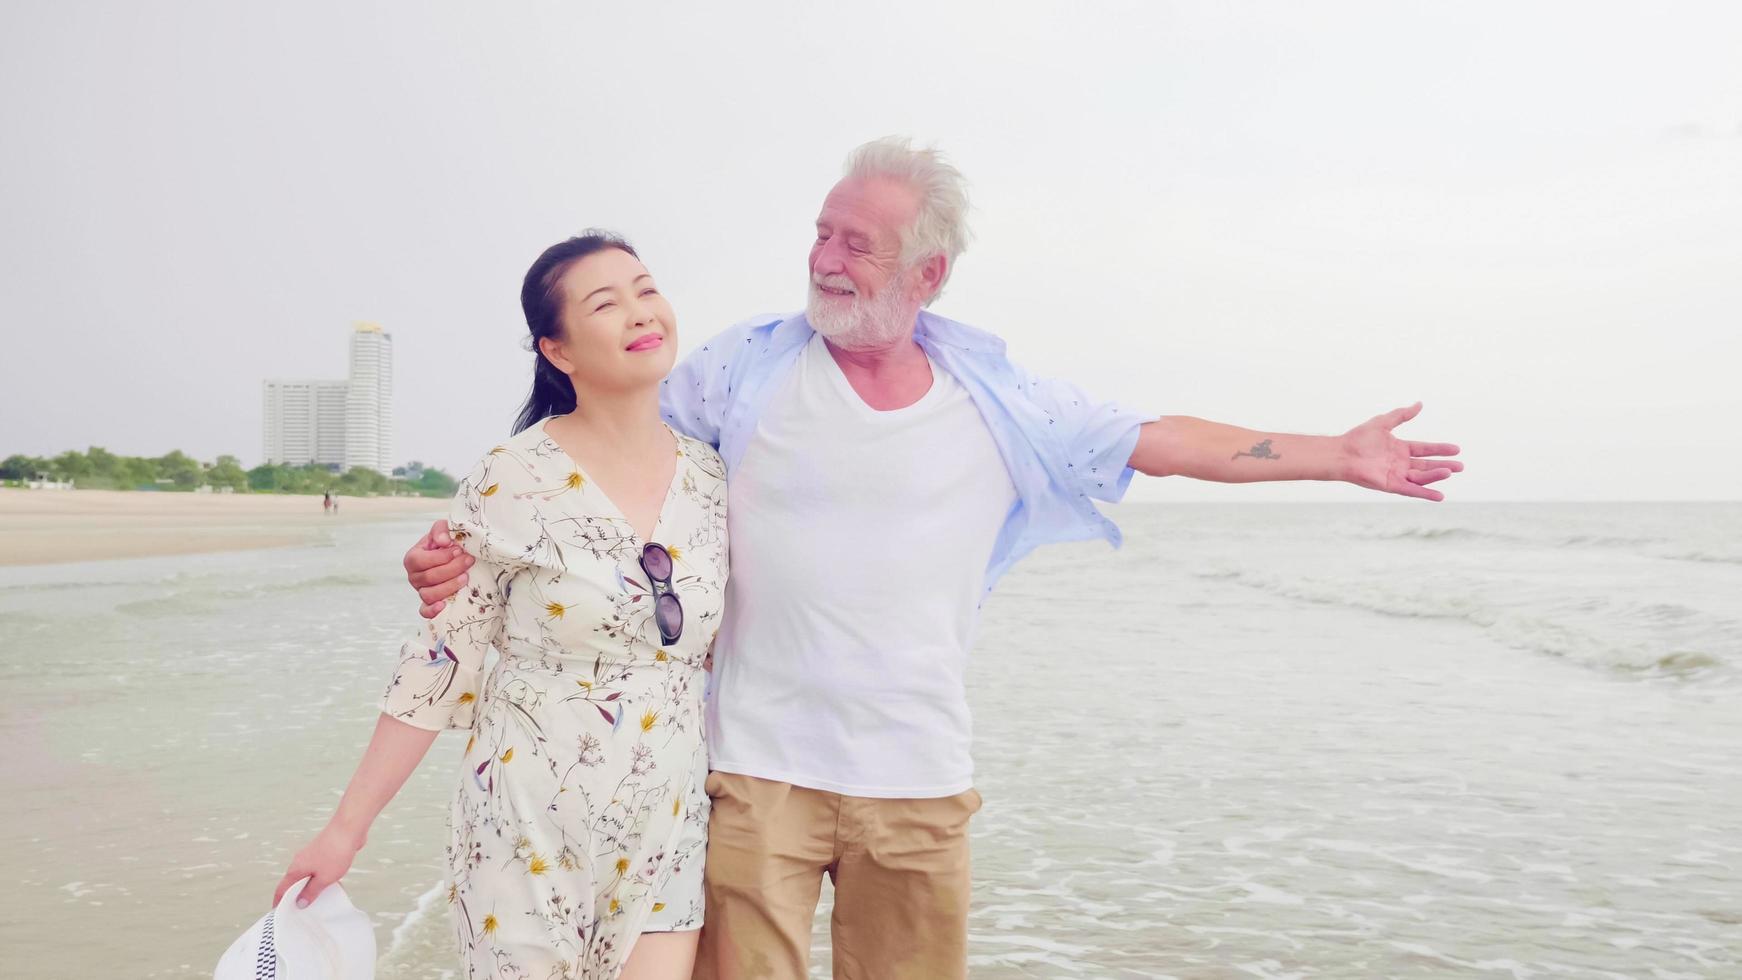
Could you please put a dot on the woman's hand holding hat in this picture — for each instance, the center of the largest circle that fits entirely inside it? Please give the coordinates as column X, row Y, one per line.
column 323, row 860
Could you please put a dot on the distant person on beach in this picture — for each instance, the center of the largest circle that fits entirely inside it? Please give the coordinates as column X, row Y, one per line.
column 578, row 828
column 886, row 467
column 327, row 503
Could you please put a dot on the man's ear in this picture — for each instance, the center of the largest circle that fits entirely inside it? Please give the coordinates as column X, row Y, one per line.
column 931, row 277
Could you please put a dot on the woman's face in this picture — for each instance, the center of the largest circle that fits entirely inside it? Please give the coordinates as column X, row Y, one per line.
column 619, row 333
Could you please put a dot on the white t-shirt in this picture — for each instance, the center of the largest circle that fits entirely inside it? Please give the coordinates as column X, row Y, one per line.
column 860, row 541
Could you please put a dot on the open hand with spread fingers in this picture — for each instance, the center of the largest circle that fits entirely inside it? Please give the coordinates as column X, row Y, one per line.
column 1376, row 459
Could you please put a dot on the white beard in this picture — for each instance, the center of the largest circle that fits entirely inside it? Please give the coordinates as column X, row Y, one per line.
column 860, row 324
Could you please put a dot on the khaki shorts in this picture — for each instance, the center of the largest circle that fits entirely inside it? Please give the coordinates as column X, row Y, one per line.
column 900, row 870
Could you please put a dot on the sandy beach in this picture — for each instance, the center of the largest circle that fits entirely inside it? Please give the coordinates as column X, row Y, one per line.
column 49, row 526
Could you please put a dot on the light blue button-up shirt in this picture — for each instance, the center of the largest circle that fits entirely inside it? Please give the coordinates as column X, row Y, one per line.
column 1063, row 449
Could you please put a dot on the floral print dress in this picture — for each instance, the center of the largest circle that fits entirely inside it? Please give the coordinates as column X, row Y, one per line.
column 580, row 819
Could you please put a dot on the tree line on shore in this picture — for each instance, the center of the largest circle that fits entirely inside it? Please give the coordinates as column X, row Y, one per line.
column 100, row 469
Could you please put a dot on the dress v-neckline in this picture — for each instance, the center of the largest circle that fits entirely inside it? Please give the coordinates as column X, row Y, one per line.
column 617, row 513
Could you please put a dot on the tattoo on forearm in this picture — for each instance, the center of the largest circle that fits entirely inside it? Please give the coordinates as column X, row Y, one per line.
column 1260, row 451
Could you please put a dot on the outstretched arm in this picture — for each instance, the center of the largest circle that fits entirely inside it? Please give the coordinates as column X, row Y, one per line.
column 1368, row 455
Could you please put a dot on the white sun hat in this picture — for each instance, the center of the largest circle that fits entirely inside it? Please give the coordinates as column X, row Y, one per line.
column 330, row 940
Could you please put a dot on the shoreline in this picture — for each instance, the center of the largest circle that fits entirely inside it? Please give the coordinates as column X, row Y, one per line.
column 46, row 527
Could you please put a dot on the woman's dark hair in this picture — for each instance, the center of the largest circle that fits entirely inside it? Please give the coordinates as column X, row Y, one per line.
column 542, row 301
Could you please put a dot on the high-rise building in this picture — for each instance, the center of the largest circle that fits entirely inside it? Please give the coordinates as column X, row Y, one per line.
column 330, row 433
column 369, row 402
column 304, row 422
column 336, row 423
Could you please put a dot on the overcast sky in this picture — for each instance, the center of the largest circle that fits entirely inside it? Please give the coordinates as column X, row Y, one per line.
column 1289, row 216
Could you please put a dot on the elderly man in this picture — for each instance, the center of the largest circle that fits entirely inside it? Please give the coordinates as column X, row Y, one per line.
column 885, row 467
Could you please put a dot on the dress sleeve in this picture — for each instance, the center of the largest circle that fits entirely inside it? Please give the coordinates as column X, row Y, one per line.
column 441, row 667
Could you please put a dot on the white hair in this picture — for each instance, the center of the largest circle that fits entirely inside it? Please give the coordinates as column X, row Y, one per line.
column 941, row 227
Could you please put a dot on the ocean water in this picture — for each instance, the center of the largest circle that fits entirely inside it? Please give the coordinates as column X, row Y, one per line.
column 1268, row 741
